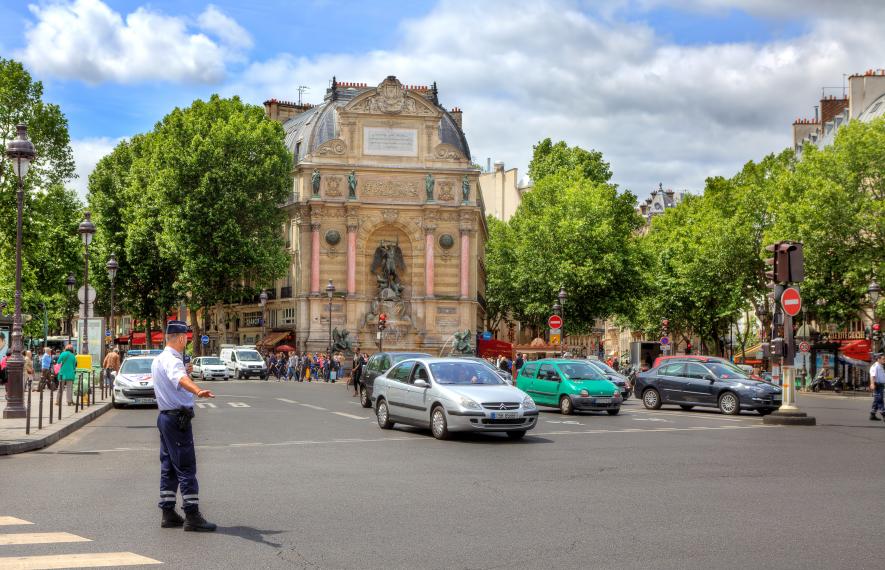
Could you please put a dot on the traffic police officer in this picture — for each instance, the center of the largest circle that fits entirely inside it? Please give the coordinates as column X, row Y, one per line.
column 175, row 393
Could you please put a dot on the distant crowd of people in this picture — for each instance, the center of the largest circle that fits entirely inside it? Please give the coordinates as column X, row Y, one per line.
column 307, row 367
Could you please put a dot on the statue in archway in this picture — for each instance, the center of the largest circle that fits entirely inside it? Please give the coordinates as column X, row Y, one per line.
column 388, row 266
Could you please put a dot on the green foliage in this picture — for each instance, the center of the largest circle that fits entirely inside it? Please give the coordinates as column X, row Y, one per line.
column 549, row 158
column 500, row 261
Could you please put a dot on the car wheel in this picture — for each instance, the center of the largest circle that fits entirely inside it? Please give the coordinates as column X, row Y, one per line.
column 614, row 412
column 438, row 424
column 516, row 434
column 729, row 404
column 651, row 399
column 114, row 402
column 364, row 398
column 686, row 407
column 566, row 407
column 382, row 413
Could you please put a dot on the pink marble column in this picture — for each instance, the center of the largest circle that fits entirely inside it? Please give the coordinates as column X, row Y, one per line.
column 351, row 259
column 428, row 261
column 465, row 264
column 314, row 258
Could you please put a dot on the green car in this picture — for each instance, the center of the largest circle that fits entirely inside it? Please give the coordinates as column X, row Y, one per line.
column 569, row 385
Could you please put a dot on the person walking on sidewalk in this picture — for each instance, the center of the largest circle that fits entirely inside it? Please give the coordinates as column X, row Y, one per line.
column 877, row 385
column 175, row 393
column 111, row 364
column 67, row 371
column 45, row 369
column 29, row 368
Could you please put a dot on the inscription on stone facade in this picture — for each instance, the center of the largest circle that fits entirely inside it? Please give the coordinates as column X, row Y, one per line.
column 446, row 311
column 391, row 188
column 390, row 142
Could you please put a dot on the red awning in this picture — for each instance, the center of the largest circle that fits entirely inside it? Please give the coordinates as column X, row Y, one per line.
column 122, row 340
column 857, row 349
column 139, row 338
column 494, row 347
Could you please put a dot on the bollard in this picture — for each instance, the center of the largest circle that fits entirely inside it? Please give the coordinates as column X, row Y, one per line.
column 61, row 391
column 28, row 411
column 40, row 416
column 77, row 396
column 51, row 402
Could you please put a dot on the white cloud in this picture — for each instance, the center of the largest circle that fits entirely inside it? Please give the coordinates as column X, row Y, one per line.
column 87, row 40
column 658, row 111
column 87, row 153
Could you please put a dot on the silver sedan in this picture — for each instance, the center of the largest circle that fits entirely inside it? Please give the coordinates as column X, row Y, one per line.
column 451, row 394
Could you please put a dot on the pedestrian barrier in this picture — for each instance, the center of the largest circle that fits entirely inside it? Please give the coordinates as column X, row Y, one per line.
column 83, row 395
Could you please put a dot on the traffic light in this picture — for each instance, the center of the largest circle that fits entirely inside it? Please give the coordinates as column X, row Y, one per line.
column 771, row 271
column 777, row 347
column 688, row 347
column 786, row 264
column 382, row 321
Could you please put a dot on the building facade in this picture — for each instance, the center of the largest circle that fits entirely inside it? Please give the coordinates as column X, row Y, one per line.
column 502, row 191
column 385, row 207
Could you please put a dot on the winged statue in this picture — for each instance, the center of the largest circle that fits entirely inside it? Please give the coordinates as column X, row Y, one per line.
column 387, row 266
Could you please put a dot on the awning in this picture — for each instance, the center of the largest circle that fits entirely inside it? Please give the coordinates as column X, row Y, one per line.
column 494, row 347
column 157, row 338
column 857, row 349
column 122, row 340
column 272, row 339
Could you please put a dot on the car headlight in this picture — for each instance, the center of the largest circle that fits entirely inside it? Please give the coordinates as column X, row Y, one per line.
column 469, row 404
column 585, row 393
column 528, row 403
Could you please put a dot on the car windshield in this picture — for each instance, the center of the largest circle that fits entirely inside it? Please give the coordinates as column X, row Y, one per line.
column 464, row 373
column 136, row 366
column 726, row 370
column 580, row 371
column 249, row 356
column 603, row 366
column 211, row 362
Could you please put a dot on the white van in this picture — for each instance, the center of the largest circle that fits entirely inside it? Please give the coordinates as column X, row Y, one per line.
column 243, row 362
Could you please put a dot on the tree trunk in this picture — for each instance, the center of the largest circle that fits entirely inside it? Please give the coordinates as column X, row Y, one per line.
column 197, row 347
column 147, row 333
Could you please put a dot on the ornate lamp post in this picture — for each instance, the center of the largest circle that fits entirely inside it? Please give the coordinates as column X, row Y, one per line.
column 562, row 298
column 262, row 300
column 86, row 231
column 874, row 291
column 330, row 290
column 71, row 282
column 112, row 267
column 21, row 152
column 762, row 314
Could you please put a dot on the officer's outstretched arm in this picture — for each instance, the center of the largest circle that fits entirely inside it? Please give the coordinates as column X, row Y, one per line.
column 192, row 387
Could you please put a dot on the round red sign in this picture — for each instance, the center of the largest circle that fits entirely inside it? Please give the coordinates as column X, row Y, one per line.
column 791, row 301
column 554, row 322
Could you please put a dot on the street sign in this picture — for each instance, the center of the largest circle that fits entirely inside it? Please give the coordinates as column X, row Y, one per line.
column 81, row 294
column 107, row 333
column 204, row 339
column 554, row 322
column 487, row 335
column 791, row 301
column 554, row 339
column 665, row 341
column 804, row 347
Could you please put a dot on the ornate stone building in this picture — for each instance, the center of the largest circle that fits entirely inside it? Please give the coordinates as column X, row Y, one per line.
column 385, row 204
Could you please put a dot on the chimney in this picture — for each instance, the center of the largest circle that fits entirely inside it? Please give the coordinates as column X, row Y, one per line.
column 456, row 116
column 830, row 107
column 489, row 164
column 499, row 166
column 282, row 111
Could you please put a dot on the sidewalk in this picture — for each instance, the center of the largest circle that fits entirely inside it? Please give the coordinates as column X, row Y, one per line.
column 12, row 431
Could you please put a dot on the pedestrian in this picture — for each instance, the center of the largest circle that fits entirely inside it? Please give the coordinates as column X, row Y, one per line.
column 271, row 365
column 292, row 367
column 520, row 360
column 877, row 385
column 356, row 373
column 29, row 368
column 111, row 364
column 45, row 369
column 67, row 371
column 175, row 393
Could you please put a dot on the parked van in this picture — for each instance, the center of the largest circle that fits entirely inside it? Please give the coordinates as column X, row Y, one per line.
column 243, row 362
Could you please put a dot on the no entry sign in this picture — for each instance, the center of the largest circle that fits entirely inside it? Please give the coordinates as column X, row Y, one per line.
column 791, row 301
column 554, row 322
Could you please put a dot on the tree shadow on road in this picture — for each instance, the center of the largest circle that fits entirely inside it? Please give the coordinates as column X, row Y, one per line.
column 252, row 534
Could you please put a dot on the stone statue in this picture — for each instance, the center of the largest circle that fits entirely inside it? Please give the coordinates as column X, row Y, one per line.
column 387, row 266
column 465, row 189
column 462, row 342
column 315, row 181
column 351, row 184
column 341, row 341
column 429, row 182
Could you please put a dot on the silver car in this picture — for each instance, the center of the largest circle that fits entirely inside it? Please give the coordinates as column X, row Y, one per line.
column 451, row 394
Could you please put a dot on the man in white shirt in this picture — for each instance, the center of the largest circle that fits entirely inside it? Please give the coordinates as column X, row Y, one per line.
column 877, row 385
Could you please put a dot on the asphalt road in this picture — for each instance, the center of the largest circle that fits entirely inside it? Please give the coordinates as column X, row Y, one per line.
column 300, row 476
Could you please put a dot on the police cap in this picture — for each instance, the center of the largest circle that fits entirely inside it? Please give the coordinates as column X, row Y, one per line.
column 176, row 327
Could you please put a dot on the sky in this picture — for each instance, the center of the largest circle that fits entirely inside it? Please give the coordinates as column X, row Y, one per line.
column 670, row 91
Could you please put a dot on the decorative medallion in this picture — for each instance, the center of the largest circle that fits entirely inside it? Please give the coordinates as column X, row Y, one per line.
column 389, row 216
column 334, row 146
column 333, row 186
column 333, row 237
column 447, row 152
column 446, row 191
column 446, row 241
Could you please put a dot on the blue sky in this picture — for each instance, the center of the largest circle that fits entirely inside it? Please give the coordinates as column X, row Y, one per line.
column 650, row 83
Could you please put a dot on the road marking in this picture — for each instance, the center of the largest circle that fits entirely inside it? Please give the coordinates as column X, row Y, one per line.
column 693, row 415
column 652, row 430
column 99, row 560
column 287, row 400
column 255, row 444
column 39, row 538
column 351, row 416
column 12, row 520
column 651, row 420
column 238, row 405
column 569, row 422
column 311, row 406
column 206, row 405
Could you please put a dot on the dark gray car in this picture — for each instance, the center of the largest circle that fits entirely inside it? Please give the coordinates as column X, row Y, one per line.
column 613, row 376
column 705, row 383
column 378, row 364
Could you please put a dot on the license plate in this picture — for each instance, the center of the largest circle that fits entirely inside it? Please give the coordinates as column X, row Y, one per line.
column 143, row 401
column 603, row 400
column 504, row 415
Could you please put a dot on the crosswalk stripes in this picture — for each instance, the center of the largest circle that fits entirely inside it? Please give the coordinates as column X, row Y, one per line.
column 44, row 561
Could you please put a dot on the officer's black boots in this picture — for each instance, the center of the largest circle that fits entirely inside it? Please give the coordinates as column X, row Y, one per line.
column 171, row 519
column 196, row 523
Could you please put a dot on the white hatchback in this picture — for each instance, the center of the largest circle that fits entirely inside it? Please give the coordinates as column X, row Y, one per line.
column 134, row 385
column 209, row 368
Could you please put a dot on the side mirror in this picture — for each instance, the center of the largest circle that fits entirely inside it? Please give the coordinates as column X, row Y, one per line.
column 711, row 378
column 421, row 383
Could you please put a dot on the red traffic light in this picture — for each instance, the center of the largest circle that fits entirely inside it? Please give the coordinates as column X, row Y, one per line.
column 382, row 318
column 876, row 327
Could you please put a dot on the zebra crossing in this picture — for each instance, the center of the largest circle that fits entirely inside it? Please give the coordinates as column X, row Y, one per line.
column 46, row 561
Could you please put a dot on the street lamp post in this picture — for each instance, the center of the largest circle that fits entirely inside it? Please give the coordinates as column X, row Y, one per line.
column 874, row 291
column 562, row 296
column 330, row 290
column 21, row 152
column 262, row 300
column 112, row 267
column 86, row 231
column 71, row 282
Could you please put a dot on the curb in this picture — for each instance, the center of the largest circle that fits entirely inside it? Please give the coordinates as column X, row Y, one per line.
column 13, row 447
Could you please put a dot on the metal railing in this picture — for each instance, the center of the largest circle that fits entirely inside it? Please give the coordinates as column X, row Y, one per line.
column 83, row 391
